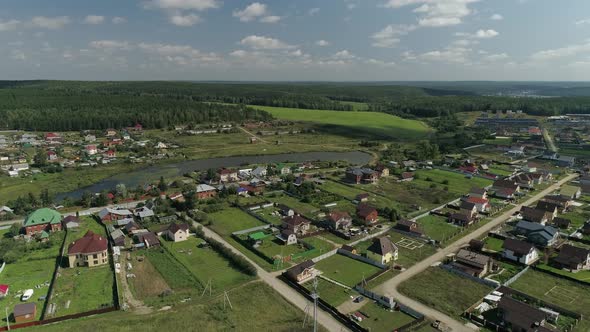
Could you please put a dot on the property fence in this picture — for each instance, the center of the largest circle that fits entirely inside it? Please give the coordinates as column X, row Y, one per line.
column 487, row 282
column 382, row 300
column 54, row 276
column 512, row 291
column 515, row 277
column 326, row 255
column 361, row 258
column 59, row 319
column 250, row 230
column 555, row 274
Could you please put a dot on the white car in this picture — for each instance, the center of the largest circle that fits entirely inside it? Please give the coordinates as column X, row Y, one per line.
column 27, row 295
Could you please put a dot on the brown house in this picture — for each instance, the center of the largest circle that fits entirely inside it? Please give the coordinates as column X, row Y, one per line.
column 296, row 224
column 339, row 220
column 473, row 263
column 408, row 226
column 24, row 312
column 360, row 175
column 205, row 191
column 535, row 215
column 519, row 316
column 90, row 250
column 301, row 272
column 367, row 214
column 573, row 258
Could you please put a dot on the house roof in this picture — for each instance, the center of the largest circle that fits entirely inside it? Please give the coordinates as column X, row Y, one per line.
column 24, row 309
column 569, row 191
column 148, row 238
column 477, row 200
column 569, row 255
column 382, row 246
column 519, row 313
column 106, row 211
column 561, row 222
column 406, row 222
column 293, row 272
column 204, row 188
column 89, row 243
column 558, row 198
column 517, row 246
column 295, row 220
column 460, row 217
column 174, row 227
column 364, row 210
column 547, row 232
column 472, row 258
column 533, row 214
column 43, row 216
column 117, row 233
column 547, row 206
column 338, row 215
column 467, row 205
column 505, row 184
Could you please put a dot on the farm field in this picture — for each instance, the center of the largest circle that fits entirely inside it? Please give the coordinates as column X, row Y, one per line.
column 209, row 316
column 205, row 264
column 368, row 124
column 345, row 270
column 381, row 319
column 562, row 292
column 437, row 227
column 437, row 288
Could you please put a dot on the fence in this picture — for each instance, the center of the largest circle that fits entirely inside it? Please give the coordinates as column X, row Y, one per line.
column 54, row 276
column 250, row 230
column 486, row 282
column 511, row 291
column 2, row 267
column 361, row 258
column 386, row 301
column 515, row 277
column 59, row 319
column 324, row 256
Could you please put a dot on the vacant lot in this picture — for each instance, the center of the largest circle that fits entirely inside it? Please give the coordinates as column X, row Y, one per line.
column 148, row 282
column 561, row 292
column 345, row 270
column 363, row 124
column 175, row 274
column 256, row 307
column 295, row 204
column 491, row 243
column 231, row 220
column 350, row 192
column 439, row 289
column 331, row 293
column 206, row 264
column 457, row 183
column 437, row 227
column 381, row 319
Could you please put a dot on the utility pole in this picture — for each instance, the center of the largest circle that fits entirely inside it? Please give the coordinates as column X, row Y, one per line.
column 315, row 297
column 7, row 318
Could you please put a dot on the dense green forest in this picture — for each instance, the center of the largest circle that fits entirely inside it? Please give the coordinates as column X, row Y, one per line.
column 71, row 105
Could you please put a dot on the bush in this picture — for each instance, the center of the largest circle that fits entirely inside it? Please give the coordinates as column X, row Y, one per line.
column 445, row 182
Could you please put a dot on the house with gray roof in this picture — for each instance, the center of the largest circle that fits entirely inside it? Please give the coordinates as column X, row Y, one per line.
column 544, row 236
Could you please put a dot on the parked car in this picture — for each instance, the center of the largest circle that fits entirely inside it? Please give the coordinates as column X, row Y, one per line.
column 27, row 295
column 358, row 299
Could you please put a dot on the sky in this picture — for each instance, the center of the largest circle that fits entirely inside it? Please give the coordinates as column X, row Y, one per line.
column 302, row 40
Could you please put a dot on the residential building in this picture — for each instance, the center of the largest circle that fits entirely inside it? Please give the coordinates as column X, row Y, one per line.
column 91, row 149
column 144, row 213
column 519, row 251
column 287, row 236
column 283, row 169
column 177, row 232
column 548, row 207
column 147, row 239
column 408, row 226
column 70, row 222
column 536, row 215
column 562, row 223
column 360, row 175
column 297, row 224
column 367, row 213
column 521, row 317
column 339, row 220
column 227, row 175
column 109, row 214
column 382, row 250
column 90, row 250
column 505, row 186
column 43, row 219
column 573, row 259
column 469, row 209
column 571, row 192
column 382, row 170
column 566, row 161
column 477, row 192
column 205, row 191
column 260, row 172
column 544, row 236
column 461, row 219
column 301, row 272
column 118, row 237
column 563, row 202
column 472, row 263
column 481, row 204
column 406, row 177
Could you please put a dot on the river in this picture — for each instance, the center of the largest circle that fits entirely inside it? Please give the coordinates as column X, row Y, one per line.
column 152, row 173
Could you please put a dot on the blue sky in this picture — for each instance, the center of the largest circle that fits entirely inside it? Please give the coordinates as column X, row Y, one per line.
column 328, row 40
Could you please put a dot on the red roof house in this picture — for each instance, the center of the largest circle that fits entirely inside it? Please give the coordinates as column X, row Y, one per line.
column 90, row 250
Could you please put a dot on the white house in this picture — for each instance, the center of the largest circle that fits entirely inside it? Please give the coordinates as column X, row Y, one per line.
column 520, row 251
column 177, row 232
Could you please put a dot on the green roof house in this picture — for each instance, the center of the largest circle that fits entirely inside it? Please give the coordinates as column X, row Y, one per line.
column 42, row 220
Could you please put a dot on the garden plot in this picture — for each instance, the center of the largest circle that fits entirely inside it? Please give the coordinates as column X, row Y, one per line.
column 409, row 244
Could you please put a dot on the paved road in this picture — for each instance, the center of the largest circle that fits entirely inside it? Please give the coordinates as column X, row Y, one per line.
column 390, row 287
column 287, row 292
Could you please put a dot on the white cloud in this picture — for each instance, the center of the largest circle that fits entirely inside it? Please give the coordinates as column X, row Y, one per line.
column 50, row 22
column 270, row 19
column 199, row 5
column 110, row 44
column 496, row 57
column 313, row 11
column 251, row 12
column 185, row 20
column 94, row 19
column 451, row 54
column 582, row 22
column 436, row 13
column 389, row 36
column 264, row 43
column 179, row 54
column 380, row 63
column 465, row 42
column 119, row 20
column 9, row 25
column 322, row 43
column 496, row 17
column 479, row 34
column 18, row 55
column 343, row 55
column 561, row 52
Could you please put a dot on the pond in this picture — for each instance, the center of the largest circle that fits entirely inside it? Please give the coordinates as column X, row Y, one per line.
column 153, row 173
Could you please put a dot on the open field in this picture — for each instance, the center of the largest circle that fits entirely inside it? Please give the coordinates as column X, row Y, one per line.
column 231, row 220
column 457, row 183
column 562, row 292
column 206, row 264
column 437, row 227
column 349, row 192
column 148, row 282
column 250, row 312
column 345, row 270
column 438, row 289
column 381, row 319
column 363, row 124
column 294, row 203
column 175, row 274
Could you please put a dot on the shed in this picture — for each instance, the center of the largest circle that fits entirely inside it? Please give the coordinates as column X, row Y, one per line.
column 24, row 312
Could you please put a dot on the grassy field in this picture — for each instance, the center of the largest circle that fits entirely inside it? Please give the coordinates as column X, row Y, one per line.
column 583, row 276
column 349, row 192
column 294, row 203
column 206, row 264
column 250, row 312
column 437, row 227
column 381, row 319
column 438, row 289
column 498, row 141
column 457, row 183
column 562, row 292
column 331, row 293
column 361, row 124
column 345, row 270
column 148, row 282
column 231, row 220
column 494, row 244
column 175, row 274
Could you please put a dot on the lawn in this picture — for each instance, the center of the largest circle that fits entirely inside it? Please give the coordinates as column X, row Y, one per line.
column 350, row 193
column 507, row 271
column 437, row 227
column 491, row 243
column 438, row 289
column 362, row 124
column 565, row 293
column 381, row 319
column 250, row 312
column 331, row 293
column 457, row 183
column 583, row 276
column 176, row 275
column 231, row 220
column 295, row 204
column 83, row 289
column 206, row 264
column 345, row 270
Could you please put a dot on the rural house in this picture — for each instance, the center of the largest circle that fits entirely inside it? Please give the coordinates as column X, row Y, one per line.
column 408, row 226
column 301, row 272
column 481, row 204
column 296, row 224
column 43, row 219
column 562, row 223
column 519, row 251
column 360, row 175
column 339, row 220
column 147, row 239
column 535, row 215
column 227, row 175
column 382, row 250
column 177, row 232
column 544, row 236
column 571, row 192
column 205, row 191
column 70, row 222
column 472, row 263
column 90, row 250
column 108, row 214
column 519, row 316
column 367, row 214
column 461, row 219
column 548, row 207
column 287, row 236
column 573, row 259
column 478, row 193
column 563, row 202
column 469, row 209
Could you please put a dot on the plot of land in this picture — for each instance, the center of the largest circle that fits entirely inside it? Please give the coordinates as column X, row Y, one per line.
column 148, row 282
column 581, row 275
column 345, row 270
column 562, row 292
column 410, row 252
column 437, row 227
column 231, row 220
column 439, row 289
column 331, row 293
column 491, row 243
column 368, row 124
column 295, row 204
column 206, row 264
column 457, row 183
column 351, row 193
column 381, row 319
